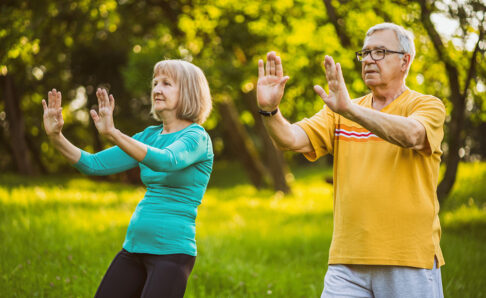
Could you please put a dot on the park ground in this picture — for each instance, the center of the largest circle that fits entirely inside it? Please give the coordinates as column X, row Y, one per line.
column 59, row 234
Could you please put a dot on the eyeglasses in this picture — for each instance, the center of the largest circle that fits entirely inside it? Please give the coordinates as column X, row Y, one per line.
column 376, row 54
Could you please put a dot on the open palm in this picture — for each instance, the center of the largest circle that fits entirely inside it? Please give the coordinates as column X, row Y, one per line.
column 103, row 120
column 338, row 98
column 271, row 82
column 53, row 121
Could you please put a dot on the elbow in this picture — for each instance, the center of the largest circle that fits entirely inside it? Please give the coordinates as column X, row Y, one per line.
column 415, row 139
column 282, row 147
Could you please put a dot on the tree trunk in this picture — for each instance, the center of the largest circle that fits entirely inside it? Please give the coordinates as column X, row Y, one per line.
column 241, row 144
column 16, row 129
column 36, row 155
column 272, row 157
column 455, row 142
column 457, row 98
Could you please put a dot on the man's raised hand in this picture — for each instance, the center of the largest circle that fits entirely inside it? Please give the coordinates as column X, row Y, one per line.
column 271, row 82
column 338, row 98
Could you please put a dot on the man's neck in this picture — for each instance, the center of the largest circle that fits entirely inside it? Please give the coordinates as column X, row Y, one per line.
column 383, row 96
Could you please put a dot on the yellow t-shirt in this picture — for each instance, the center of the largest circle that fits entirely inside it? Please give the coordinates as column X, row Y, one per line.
column 385, row 201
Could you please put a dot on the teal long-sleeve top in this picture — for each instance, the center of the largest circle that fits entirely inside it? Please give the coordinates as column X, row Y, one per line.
column 176, row 173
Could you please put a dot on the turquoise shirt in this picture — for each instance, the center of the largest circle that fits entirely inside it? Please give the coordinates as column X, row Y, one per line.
column 176, row 173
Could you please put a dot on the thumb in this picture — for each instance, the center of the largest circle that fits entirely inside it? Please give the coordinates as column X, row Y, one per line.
column 284, row 80
column 319, row 90
column 94, row 115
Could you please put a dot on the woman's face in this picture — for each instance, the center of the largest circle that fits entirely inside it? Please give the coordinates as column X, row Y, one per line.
column 165, row 94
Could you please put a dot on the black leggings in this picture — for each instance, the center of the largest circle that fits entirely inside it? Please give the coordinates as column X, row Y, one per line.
column 146, row 275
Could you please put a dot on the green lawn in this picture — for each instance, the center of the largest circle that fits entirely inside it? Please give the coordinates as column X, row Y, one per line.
column 59, row 234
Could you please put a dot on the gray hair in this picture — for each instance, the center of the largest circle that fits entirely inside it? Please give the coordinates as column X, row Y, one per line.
column 404, row 37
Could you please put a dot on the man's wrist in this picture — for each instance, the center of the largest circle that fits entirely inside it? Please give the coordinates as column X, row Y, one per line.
column 268, row 113
column 350, row 112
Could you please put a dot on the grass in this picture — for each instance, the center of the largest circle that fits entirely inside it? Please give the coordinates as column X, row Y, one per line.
column 59, row 234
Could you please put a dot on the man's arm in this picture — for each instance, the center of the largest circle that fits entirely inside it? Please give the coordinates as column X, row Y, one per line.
column 270, row 89
column 402, row 131
column 287, row 136
column 399, row 130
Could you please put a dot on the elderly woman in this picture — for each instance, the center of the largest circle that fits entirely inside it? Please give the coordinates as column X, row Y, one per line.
column 175, row 160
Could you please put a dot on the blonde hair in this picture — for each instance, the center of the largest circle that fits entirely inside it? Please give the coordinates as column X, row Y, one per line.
column 194, row 97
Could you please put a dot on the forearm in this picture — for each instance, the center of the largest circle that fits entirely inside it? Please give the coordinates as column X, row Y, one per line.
column 130, row 146
column 66, row 148
column 285, row 135
column 402, row 131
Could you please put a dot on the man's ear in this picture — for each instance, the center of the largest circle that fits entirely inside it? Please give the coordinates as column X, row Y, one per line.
column 406, row 61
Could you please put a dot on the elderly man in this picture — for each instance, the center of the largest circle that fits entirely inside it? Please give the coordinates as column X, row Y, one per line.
column 386, row 148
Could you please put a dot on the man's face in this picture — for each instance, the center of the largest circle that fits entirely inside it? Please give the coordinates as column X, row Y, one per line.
column 385, row 71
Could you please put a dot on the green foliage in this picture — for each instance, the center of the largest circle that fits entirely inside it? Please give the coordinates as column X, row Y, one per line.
column 59, row 235
column 77, row 46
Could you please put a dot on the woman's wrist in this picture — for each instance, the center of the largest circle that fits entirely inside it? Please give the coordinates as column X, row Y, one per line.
column 113, row 134
column 54, row 136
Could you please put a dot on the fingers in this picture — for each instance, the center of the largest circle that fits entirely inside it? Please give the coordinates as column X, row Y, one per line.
column 100, row 100
column 261, row 70
column 44, row 105
column 330, row 68
column 339, row 73
column 54, row 99
column 50, row 98
column 273, row 66
column 270, row 66
column 284, row 80
column 278, row 67
column 58, row 99
column 112, row 102
column 104, row 100
column 319, row 90
column 267, row 65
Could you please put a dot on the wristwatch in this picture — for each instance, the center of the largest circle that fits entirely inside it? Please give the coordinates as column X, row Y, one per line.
column 268, row 114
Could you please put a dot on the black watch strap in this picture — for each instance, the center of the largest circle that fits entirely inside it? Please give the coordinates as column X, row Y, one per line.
column 268, row 114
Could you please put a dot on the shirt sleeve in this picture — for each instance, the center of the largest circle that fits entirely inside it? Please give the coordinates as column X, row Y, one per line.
column 320, row 130
column 430, row 111
column 110, row 161
column 190, row 148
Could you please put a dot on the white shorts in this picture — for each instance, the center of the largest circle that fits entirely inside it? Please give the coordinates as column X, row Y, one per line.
column 382, row 282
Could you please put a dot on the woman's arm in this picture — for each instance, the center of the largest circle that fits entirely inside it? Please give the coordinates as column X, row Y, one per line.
column 105, row 125
column 106, row 162
column 190, row 148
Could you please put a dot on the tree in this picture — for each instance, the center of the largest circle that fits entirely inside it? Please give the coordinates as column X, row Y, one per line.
column 457, row 71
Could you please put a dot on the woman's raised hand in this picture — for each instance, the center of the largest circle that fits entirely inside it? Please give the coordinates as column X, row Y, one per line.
column 53, row 121
column 104, row 118
column 271, row 83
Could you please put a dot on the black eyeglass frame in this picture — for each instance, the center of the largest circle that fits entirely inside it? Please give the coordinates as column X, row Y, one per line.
column 362, row 52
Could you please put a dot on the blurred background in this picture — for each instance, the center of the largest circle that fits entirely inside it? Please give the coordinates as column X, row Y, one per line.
column 78, row 46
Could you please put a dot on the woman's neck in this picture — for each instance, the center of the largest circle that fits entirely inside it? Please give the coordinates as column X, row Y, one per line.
column 173, row 124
